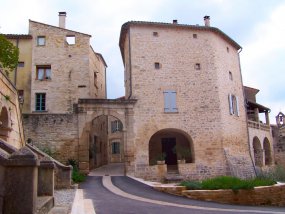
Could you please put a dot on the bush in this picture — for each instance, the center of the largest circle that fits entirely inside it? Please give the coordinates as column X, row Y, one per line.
column 277, row 174
column 191, row 185
column 227, row 182
column 77, row 176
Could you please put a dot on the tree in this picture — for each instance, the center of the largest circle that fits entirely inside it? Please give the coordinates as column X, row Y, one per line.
column 9, row 55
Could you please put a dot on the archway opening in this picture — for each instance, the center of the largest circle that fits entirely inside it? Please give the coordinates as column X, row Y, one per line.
column 257, row 150
column 170, row 145
column 267, row 152
column 4, row 124
column 105, row 141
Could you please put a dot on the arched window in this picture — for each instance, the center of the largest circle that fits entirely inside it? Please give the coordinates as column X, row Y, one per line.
column 267, row 152
column 257, row 150
column 234, row 105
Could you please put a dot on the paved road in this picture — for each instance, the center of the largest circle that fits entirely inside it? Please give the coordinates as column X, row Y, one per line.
column 107, row 201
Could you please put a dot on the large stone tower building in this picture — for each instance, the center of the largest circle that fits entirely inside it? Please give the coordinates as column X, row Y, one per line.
column 188, row 85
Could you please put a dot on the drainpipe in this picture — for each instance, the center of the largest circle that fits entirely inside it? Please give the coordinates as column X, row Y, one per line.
column 246, row 116
column 130, row 64
column 16, row 69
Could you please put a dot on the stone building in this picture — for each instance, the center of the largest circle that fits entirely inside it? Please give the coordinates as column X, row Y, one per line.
column 21, row 76
column 189, row 91
column 278, row 133
column 259, row 130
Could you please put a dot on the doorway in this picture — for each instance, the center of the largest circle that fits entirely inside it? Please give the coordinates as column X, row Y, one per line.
column 168, row 148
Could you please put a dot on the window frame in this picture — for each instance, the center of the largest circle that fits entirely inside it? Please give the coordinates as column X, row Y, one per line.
column 233, row 105
column 38, row 40
column 116, row 126
column 45, row 68
column 42, row 102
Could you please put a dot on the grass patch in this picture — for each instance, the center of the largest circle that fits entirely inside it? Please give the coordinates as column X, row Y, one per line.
column 227, row 182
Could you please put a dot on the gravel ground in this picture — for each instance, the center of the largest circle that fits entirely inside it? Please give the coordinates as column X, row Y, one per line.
column 64, row 198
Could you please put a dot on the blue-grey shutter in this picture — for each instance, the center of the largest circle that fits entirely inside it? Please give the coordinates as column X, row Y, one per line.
column 231, row 104
column 166, row 101
column 237, row 106
column 173, row 107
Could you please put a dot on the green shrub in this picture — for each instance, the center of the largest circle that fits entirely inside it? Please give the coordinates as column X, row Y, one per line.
column 277, row 174
column 77, row 176
column 227, row 182
column 191, row 185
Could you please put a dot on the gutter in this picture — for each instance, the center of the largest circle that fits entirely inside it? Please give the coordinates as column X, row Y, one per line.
column 16, row 69
column 130, row 64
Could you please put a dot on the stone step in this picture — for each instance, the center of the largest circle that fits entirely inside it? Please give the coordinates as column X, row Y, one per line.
column 59, row 210
column 173, row 177
column 44, row 204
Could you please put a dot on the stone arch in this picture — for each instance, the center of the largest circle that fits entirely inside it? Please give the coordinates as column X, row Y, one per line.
column 4, row 124
column 257, row 151
column 267, row 151
column 174, row 143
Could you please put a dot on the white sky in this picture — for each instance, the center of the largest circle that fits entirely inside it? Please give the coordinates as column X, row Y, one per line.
column 257, row 25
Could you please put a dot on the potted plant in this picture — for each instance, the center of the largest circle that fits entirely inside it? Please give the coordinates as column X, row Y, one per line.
column 183, row 153
column 161, row 158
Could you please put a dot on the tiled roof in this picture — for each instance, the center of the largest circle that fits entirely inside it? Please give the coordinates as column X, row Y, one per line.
column 18, row 36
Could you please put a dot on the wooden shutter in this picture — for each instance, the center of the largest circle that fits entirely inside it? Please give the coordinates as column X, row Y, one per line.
column 167, row 101
column 237, row 106
column 231, row 104
column 173, row 107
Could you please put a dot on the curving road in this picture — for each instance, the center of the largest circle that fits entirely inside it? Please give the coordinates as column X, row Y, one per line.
column 123, row 195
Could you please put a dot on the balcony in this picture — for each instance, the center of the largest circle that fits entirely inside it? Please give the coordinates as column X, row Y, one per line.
column 258, row 125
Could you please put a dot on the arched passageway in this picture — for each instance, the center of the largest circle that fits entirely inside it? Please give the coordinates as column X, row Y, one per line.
column 267, row 152
column 4, row 124
column 171, row 145
column 105, row 141
column 257, row 150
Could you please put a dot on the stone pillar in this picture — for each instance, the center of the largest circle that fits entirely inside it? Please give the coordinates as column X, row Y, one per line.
column 83, row 152
column 256, row 115
column 46, row 178
column 21, row 177
column 267, row 118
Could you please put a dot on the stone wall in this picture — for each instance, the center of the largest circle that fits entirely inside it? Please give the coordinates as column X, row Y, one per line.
column 55, row 133
column 11, row 129
column 201, row 94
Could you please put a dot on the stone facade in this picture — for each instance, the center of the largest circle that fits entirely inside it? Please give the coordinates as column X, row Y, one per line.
column 74, row 67
column 278, row 132
column 193, row 62
column 11, row 130
column 21, row 76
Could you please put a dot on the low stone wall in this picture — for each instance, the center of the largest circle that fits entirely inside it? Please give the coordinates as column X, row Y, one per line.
column 268, row 195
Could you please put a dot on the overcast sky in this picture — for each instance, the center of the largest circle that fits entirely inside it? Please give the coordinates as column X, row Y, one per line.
column 257, row 25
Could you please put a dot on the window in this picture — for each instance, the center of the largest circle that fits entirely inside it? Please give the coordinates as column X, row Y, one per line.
column 21, row 96
column 70, row 40
column 40, row 102
column 115, row 148
column 43, row 72
column 230, row 75
column 95, row 80
column 170, row 101
column 197, row 66
column 116, row 126
column 155, row 33
column 156, row 65
column 195, row 36
column 41, row 40
column 233, row 104
column 21, row 64
column 228, row 50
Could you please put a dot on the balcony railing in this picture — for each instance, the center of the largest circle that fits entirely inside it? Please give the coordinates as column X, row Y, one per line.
column 257, row 125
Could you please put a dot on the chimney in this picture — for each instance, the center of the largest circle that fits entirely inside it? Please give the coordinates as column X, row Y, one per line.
column 175, row 21
column 207, row 21
column 62, row 16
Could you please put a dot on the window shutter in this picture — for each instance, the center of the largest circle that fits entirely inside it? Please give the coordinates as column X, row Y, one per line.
column 237, row 106
column 231, row 104
column 166, row 101
column 173, row 107
column 113, row 126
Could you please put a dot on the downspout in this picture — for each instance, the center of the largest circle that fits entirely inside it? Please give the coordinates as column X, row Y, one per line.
column 130, row 64
column 248, row 142
column 105, row 84
column 16, row 69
